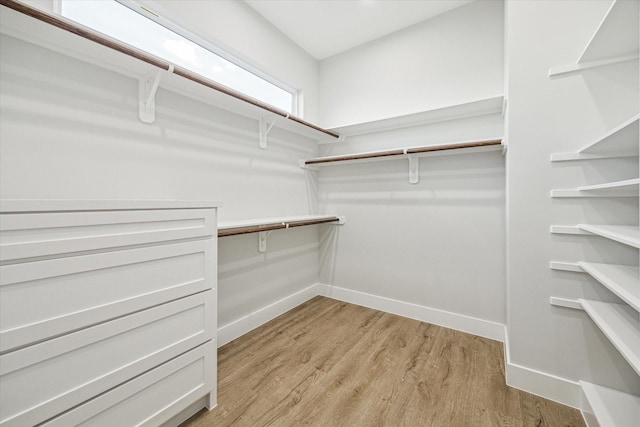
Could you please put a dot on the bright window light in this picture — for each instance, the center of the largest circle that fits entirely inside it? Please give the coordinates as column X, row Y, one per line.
column 113, row 19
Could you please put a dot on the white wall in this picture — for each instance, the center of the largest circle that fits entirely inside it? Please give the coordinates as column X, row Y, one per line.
column 437, row 244
column 562, row 114
column 236, row 27
column 71, row 130
column 451, row 59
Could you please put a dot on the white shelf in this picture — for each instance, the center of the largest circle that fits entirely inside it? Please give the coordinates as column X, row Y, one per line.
column 491, row 105
column 622, row 280
column 628, row 235
column 429, row 150
column 617, row 34
column 62, row 205
column 608, row 407
column 34, row 31
column 621, row 141
column 257, row 222
column 619, row 323
column 614, row 41
column 626, row 188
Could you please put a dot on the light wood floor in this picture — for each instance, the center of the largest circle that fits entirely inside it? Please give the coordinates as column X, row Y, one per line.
column 328, row 363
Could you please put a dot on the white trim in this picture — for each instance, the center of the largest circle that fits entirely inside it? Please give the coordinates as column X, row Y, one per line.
column 546, row 385
column 237, row 328
column 549, row 386
column 447, row 319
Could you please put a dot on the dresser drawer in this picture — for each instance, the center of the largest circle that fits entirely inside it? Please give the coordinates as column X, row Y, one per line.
column 45, row 379
column 32, row 235
column 42, row 299
column 151, row 398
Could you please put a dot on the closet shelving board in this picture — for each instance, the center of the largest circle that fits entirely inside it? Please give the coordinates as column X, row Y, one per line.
column 64, row 36
column 614, row 41
column 625, row 188
column 479, row 107
column 619, row 323
column 442, row 149
column 622, row 280
column 232, row 228
column 611, row 407
column 621, row 141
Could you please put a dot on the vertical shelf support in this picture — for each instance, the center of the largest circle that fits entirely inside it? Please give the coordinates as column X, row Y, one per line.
column 147, row 89
column 414, row 168
column 265, row 128
column 262, row 240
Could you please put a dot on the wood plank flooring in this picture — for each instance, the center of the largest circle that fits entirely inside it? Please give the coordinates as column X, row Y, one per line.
column 329, row 363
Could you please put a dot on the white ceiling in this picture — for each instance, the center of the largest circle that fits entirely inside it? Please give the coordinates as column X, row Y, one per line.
column 324, row 28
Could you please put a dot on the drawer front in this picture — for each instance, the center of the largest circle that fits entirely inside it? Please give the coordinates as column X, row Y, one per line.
column 42, row 299
column 151, row 398
column 30, row 235
column 43, row 380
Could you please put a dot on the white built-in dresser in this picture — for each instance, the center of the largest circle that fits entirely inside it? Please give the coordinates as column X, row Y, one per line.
column 107, row 311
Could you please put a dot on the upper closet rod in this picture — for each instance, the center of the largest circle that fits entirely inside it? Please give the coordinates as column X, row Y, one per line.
column 150, row 59
column 401, row 152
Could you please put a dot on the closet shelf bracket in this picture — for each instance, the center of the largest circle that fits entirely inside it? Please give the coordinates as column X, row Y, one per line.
column 264, row 128
column 414, row 168
column 262, row 240
column 147, row 89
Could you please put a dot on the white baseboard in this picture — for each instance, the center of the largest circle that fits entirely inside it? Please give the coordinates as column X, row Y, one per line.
column 459, row 322
column 235, row 329
column 542, row 384
column 530, row 380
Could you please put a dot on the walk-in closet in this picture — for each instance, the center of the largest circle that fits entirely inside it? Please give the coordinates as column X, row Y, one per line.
column 317, row 212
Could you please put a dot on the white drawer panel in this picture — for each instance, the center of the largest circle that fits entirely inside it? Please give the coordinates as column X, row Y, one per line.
column 151, row 398
column 41, row 381
column 42, row 299
column 28, row 235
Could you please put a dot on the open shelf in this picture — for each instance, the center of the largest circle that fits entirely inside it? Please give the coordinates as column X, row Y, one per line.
column 626, row 188
column 614, row 41
column 621, row 141
column 71, row 39
column 619, row 323
column 473, row 146
column 622, row 280
column 628, row 235
column 608, row 407
column 491, row 105
column 233, row 228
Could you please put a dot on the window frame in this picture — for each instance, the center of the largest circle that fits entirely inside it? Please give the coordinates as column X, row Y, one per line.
column 146, row 9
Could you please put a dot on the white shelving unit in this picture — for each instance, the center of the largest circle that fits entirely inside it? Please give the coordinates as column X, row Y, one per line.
column 614, row 41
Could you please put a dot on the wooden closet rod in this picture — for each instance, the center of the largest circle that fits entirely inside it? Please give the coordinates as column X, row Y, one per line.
column 400, row 152
column 96, row 37
column 275, row 226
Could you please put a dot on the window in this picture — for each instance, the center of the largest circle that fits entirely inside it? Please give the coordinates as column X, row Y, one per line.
column 122, row 23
